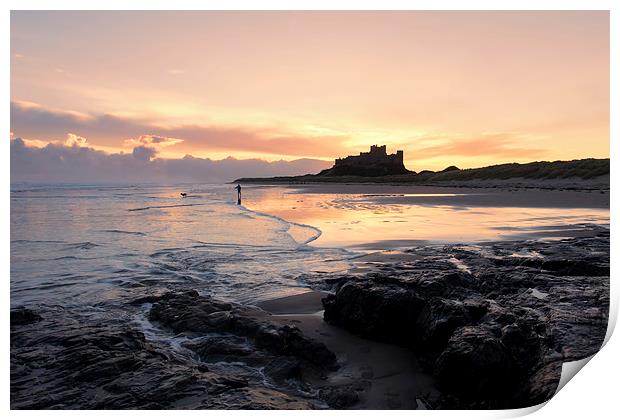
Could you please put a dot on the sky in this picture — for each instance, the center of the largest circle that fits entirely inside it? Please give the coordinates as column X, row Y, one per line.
column 468, row 88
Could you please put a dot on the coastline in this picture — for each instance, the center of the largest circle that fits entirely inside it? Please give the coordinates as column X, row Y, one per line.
column 391, row 333
column 566, row 184
column 480, row 196
column 457, row 326
column 371, row 267
column 575, row 174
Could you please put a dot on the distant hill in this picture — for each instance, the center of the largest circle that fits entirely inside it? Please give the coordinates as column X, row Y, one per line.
column 582, row 169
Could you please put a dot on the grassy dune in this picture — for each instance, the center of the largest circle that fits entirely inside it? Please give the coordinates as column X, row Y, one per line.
column 583, row 169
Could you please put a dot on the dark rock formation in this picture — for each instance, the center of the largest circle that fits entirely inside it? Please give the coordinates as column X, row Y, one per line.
column 24, row 316
column 189, row 312
column 493, row 322
column 236, row 359
column 343, row 396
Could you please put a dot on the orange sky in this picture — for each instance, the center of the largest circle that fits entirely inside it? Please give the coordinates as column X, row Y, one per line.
column 463, row 88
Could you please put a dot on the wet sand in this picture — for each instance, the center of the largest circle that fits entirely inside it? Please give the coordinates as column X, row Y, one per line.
column 388, row 376
column 482, row 196
column 303, row 303
column 372, row 217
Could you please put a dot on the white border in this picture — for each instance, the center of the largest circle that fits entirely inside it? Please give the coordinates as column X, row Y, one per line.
column 593, row 394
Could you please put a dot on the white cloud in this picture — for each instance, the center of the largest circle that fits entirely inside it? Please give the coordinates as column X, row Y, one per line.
column 73, row 140
column 153, row 141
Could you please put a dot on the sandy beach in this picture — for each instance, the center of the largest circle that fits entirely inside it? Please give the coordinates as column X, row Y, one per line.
column 484, row 194
column 378, row 217
column 385, row 376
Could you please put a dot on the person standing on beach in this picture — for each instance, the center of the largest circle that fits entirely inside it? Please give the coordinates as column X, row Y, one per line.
column 238, row 188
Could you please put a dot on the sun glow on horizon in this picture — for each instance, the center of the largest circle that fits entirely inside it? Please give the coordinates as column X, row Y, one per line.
column 469, row 89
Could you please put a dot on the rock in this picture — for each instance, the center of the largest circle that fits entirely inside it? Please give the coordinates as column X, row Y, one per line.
column 524, row 345
column 283, row 368
column 438, row 320
column 380, row 312
column 543, row 384
column 341, row 397
column 475, row 363
column 24, row 316
column 187, row 312
column 469, row 314
column 220, row 348
column 65, row 361
column 258, row 398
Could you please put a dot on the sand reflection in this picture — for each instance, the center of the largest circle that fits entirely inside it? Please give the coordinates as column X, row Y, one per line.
column 380, row 221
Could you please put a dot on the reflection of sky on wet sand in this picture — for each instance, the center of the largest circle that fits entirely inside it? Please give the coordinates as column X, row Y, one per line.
column 363, row 221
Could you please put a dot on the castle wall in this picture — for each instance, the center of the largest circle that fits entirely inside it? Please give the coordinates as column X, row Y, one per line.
column 376, row 155
column 375, row 162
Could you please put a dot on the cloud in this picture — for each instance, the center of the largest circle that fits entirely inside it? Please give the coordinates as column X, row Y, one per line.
column 147, row 146
column 73, row 140
column 151, row 140
column 502, row 145
column 57, row 162
column 144, row 153
column 29, row 120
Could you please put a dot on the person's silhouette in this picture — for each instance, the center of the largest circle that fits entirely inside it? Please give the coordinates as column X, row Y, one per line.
column 238, row 188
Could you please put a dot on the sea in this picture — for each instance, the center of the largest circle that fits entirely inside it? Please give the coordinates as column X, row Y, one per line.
column 92, row 248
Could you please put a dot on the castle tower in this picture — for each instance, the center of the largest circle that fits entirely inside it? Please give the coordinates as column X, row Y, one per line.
column 378, row 150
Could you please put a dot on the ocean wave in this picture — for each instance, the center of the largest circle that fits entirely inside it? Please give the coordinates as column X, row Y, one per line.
column 312, row 238
column 126, row 232
column 165, row 207
column 202, row 244
column 82, row 245
column 29, row 241
column 68, row 257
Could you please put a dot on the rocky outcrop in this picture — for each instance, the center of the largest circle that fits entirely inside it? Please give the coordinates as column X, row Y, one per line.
column 24, row 316
column 493, row 322
column 235, row 359
column 190, row 313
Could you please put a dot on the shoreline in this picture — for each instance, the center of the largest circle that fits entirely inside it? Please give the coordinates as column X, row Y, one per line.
column 375, row 217
column 474, row 196
column 397, row 334
column 602, row 183
column 389, row 255
column 393, row 332
column 383, row 376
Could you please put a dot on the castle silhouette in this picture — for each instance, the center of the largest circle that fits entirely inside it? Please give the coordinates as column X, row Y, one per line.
column 375, row 162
